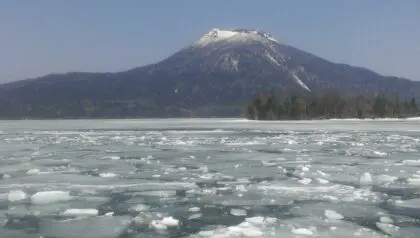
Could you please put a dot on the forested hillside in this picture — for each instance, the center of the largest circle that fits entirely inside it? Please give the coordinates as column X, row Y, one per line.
column 329, row 104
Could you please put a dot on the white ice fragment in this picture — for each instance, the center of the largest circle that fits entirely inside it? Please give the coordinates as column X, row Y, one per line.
column 206, row 176
column 245, row 224
column 140, row 208
column 333, row 215
column 107, row 175
column 238, row 212
column 256, row 221
column 158, row 226
column 6, row 176
column 302, row 231
column 330, row 197
column 386, row 220
column 170, row 222
column 252, row 232
column 305, row 168
column 50, row 197
column 194, row 209
column 33, row 172
column 204, row 169
column 268, row 164
column 366, row 179
column 206, row 233
column 379, row 153
column 16, row 195
column 109, row 214
column 322, row 173
column 271, row 220
column 112, row 157
column 74, row 212
column 241, row 188
column 399, row 201
column 388, row 228
column 194, row 216
column 322, row 181
column 305, row 181
column 234, row 231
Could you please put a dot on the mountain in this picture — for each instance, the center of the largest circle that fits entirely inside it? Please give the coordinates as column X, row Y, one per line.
column 213, row 76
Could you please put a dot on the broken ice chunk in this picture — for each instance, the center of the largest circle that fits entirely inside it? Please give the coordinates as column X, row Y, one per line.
column 333, row 215
column 366, row 179
column 16, row 195
column 50, row 197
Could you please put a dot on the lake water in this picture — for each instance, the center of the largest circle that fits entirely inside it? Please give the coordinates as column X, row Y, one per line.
column 209, row 178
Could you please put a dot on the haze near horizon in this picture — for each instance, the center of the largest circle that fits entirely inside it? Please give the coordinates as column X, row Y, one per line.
column 43, row 37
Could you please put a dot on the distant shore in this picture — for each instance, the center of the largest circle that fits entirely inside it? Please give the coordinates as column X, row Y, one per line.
column 329, row 104
column 221, row 118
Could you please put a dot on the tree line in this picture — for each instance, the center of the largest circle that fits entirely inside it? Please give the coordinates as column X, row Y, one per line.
column 329, row 104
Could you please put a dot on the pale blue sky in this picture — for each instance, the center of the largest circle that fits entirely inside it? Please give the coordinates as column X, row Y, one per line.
column 38, row 37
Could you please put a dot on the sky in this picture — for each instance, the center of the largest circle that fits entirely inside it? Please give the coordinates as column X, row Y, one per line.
column 49, row 36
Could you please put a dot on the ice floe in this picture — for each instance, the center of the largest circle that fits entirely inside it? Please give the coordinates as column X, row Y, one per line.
column 33, row 172
column 74, row 212
column 108, row 175
column 16, row 195
column 194, row 209
column 303, row 231
column 48, row 197
column 333, row 215
column 164, row 224
column 238, row 212
column 366, row 179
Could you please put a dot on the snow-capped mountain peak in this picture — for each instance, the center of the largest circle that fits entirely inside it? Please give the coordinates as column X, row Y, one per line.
column 239, row 50
column 218, row 35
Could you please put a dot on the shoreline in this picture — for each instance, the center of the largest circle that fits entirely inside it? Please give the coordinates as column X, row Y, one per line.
column 223, row 118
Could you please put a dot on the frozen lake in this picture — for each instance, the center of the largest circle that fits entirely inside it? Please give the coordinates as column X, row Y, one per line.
column 209, row 178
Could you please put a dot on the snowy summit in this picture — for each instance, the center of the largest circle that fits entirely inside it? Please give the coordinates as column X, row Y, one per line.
column 234, row 50
column 218, row 35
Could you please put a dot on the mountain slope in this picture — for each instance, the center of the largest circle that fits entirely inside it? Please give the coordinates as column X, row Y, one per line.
column 220, row 70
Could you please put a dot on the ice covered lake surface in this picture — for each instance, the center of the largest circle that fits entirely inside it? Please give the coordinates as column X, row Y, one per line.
column 209, row 178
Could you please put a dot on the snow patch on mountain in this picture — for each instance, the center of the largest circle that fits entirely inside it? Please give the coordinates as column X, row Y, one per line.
column 271, row 38
column 229, row 62
column 218, row 35
column 300, row 69
column 300, row 82
column 235, row 63
column 272, row 59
